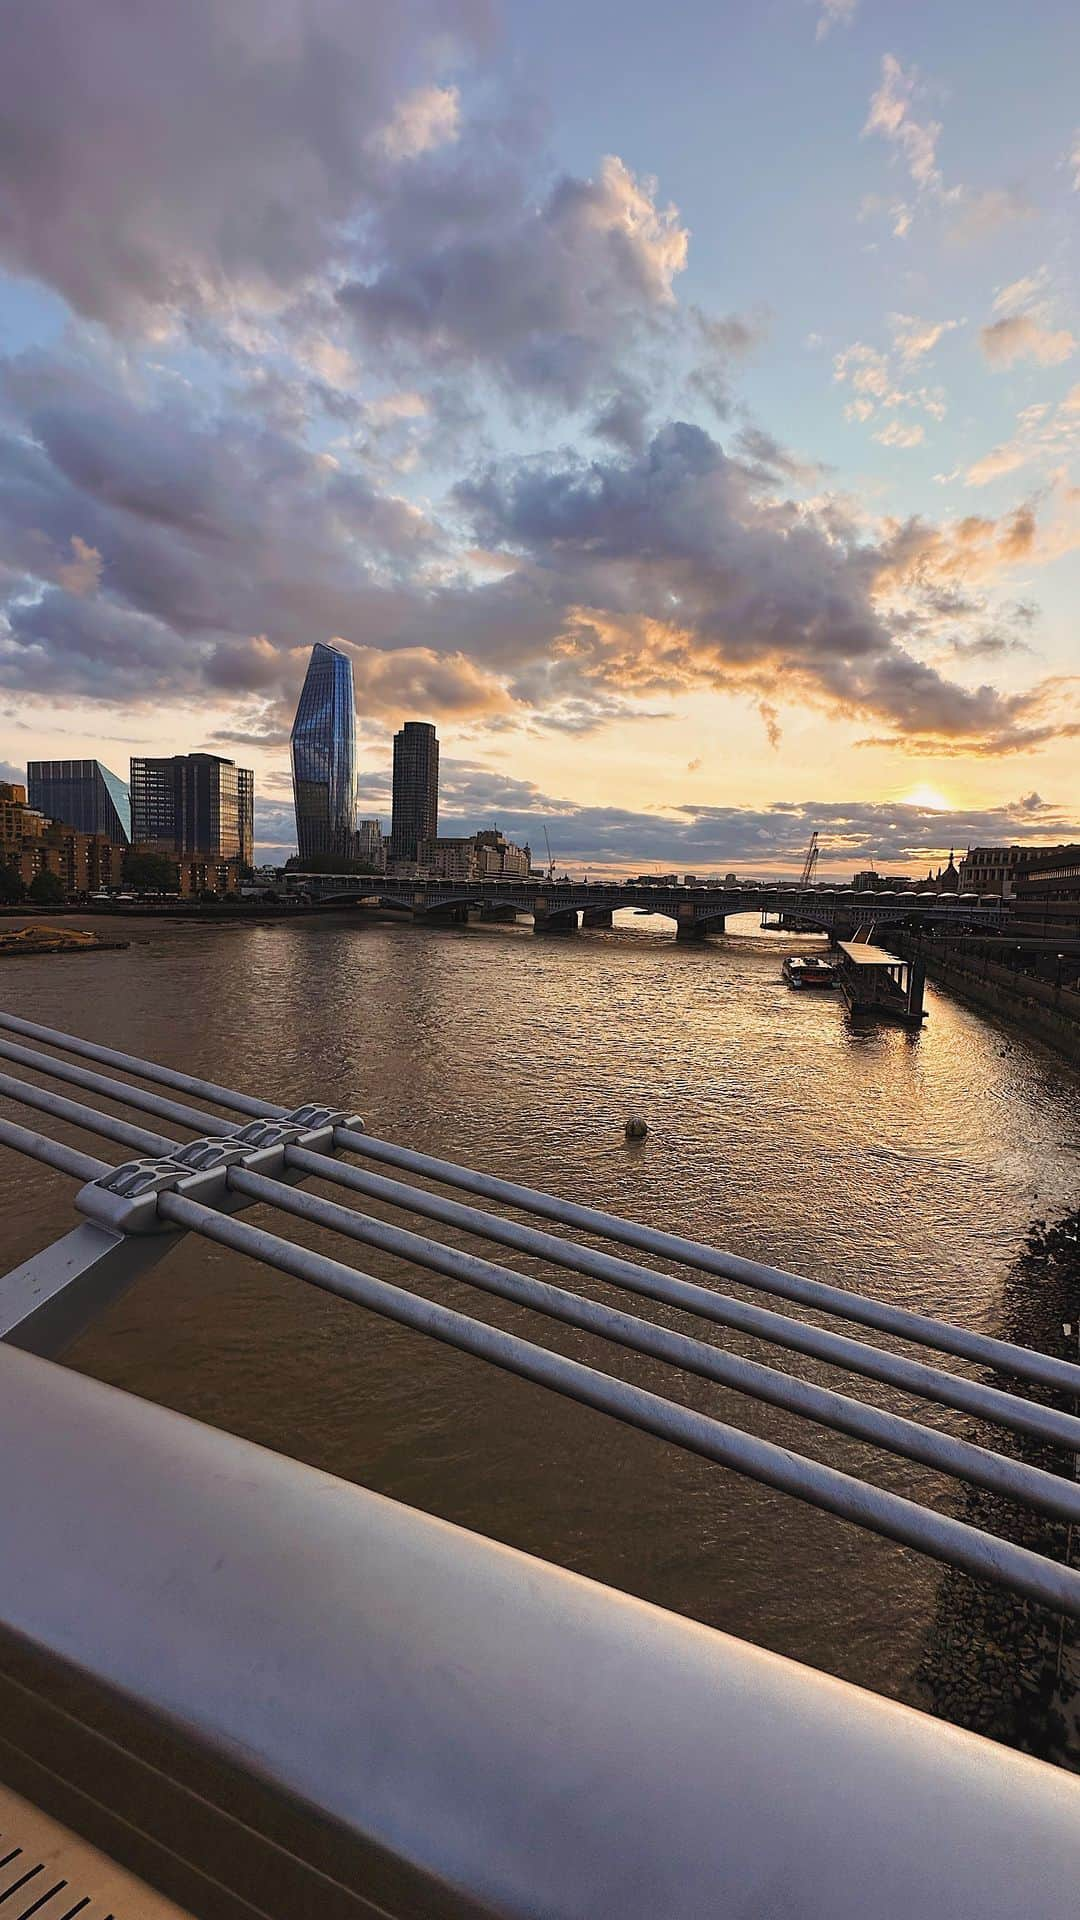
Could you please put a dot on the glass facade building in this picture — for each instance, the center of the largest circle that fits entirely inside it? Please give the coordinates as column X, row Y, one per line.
column 324, row 757
column 81, row 794
column 194, row 804
column 416, row 790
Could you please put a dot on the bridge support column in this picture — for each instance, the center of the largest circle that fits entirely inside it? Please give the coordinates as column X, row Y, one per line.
column 596, row 916
column 498, row 913
column 549, row 919
column 446, row 913
column 688, row 926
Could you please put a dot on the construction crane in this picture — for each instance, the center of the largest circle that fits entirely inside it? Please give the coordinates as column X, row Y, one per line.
column 551, row 857
column 810, row 863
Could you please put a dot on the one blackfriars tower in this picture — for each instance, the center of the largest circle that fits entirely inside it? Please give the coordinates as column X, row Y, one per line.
column 323, row 746
column 416, row 790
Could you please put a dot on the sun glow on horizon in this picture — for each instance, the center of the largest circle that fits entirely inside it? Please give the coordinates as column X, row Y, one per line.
column 931, row 798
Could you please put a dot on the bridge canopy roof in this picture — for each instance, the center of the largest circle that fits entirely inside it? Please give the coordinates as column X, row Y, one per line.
column 864, row 955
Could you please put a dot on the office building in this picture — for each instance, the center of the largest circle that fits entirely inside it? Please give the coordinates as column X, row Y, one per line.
column 995, row 869
column 487, row 855
column 82, row 794
column 1046, row 893
column 323, row 745
column 370, row 845
column 194, row 805
column 415, row 820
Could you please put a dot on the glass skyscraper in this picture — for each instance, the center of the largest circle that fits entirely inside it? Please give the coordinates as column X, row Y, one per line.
column 416, row 790
column 81, row 794
column 324, row 757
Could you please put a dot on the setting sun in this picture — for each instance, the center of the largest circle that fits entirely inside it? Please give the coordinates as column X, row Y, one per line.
column 925, row 796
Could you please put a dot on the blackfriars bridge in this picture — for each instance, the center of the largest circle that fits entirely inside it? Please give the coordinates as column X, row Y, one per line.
column 561, row 906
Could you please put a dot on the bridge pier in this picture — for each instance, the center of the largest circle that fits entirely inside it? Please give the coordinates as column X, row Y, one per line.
column 549, row 919
column 688, row 925
column 596, row 916
column 501, row 912
column 446, row 913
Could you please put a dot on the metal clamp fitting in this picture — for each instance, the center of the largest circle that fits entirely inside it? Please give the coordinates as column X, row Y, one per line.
column 315, row 1116
column 125, row 1198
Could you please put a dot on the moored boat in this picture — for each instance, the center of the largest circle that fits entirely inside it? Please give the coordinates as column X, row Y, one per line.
column 800, row 970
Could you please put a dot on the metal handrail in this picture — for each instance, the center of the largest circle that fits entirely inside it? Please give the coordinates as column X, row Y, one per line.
column 493, row 1725
column 806, row 1479
column 515, row 1733
column 923, row 1329
column 911, row 1376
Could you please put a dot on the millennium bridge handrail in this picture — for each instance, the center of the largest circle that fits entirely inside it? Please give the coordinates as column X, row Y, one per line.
column 535, row 1742
column 522, row 1739
column 44, row 1303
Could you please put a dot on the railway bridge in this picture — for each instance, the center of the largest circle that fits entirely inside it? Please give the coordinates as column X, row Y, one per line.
column 561, row 906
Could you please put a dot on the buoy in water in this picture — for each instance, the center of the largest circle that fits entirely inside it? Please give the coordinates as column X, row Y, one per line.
column 635, row 1128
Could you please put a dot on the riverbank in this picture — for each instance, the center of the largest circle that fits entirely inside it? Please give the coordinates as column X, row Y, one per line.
column 1000, row 1665
column 1043, row 1012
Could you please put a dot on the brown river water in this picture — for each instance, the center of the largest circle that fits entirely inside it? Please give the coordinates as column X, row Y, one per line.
column 907, row 1165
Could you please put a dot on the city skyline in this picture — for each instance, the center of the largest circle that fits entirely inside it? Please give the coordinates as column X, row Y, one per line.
column 539, row 405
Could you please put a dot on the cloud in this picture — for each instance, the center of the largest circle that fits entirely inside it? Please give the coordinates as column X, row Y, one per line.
column 915, row 338
column 978, row 214
column 544, row 296
column 1021, row 337
column 1045, row 434
column 183, row 159
column 292, row 186
column 897, row 837
column 82, row 572
column 973, row 212
column 427, row 118
column 870, row 375
column 835, row 13
column 673, row 570
column 896, row 434
column 1000, row 460
column 1072, row 161
column 156, row 547
column 890, row 116
column 415, row 680
column 866, row 370
column 1023, row 292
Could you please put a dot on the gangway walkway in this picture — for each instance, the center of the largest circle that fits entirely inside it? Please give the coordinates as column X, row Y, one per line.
column 197, row 1167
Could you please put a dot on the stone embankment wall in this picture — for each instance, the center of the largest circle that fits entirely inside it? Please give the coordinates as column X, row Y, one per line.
column 1048, row 1013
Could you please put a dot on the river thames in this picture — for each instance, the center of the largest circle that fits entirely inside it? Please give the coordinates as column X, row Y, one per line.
column 910, row 1165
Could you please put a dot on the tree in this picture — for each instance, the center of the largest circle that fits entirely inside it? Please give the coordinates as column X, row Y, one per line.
column 12, row 887
column 151, row 873
column 47, row 889
column 329, row 863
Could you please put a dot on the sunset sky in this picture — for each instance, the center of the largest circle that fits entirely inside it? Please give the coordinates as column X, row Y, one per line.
column 679, row 406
